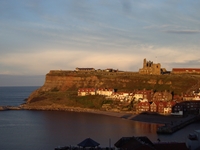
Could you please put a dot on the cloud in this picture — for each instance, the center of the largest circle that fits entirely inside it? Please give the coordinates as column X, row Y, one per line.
column 41, row 62
column 36, row 36
column 185, row 64
column 182, row 31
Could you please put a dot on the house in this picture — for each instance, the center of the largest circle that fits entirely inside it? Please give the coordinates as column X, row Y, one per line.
column 116, row 96
column 162, row 96
column 169, row 106
column 161, row 105
column 196, row 92
column 125, row 97
column 154, row 107
column 105, row 91
column 138, row 95
column 111, row 70
column 188, row 97
column 143, row 107
column 178, row 107
column 143, row 94
column 121, row 96
column 177, row 98
column 86, row 91
column 191, row 107
column 195, row 95
column 185, row 70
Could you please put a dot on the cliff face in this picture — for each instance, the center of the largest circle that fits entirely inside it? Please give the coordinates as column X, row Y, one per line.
column 122, row 81
column 62, row 81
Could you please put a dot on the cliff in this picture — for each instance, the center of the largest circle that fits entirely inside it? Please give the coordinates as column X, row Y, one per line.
column 60, row 86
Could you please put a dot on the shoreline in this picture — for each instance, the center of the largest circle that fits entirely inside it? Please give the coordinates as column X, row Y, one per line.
column 130, row 115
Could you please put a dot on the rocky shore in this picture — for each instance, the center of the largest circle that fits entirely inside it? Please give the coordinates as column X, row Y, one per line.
column 9, row 108
column 131, row 115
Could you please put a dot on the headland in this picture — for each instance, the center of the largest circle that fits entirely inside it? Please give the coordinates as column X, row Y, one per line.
column 60, row 91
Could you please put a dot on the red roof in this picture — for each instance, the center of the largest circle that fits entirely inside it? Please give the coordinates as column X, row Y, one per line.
column 86, row 90
column 105, row 89
column 143, row 104
column 186, row 69
column 143, row 91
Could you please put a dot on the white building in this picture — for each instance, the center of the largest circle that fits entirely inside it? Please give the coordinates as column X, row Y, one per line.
column 86, row 91
column 138, row 96
column 105, row 91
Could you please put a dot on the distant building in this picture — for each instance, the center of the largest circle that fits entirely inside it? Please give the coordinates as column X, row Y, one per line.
column 188, row 97
column 154, row 107
column 185, row 70
column 143, row 107
column 150, row 68
column 105, row 91
column 143, row 95
column 86, row 91
column 111, row 70
column 122, row 96
column 158, row 107
column 162, row 96
column 85, row 69
column 190, row 107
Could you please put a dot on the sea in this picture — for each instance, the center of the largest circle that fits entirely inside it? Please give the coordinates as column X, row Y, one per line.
column 45, row 130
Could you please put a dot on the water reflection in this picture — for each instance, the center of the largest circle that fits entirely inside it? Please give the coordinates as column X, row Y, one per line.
column 74, row 127
column 48, row 129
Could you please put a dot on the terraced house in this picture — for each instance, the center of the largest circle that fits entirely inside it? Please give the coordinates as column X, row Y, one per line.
column 86, row 91
column 143, row 107
column 158, row 107
column 189, row 107
column 94, row 91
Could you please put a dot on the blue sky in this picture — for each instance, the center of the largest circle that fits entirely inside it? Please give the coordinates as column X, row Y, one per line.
column 37, row 36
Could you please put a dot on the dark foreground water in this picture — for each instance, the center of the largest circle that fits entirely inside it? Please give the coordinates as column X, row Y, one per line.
column 45, row 130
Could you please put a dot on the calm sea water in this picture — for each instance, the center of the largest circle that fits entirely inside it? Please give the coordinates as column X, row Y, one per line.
column 45, row 130
column 14, row 96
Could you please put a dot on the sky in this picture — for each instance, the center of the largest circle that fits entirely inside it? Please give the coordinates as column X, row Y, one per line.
column 38, row 36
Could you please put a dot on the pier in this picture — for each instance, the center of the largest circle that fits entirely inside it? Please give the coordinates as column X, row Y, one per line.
column 175, row 126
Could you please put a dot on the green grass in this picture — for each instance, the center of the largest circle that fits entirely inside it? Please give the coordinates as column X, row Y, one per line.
column 127, row 82
column 70, row 98
column 178, row 84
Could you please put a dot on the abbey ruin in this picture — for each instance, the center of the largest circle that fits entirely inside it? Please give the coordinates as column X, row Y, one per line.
column 150, row 68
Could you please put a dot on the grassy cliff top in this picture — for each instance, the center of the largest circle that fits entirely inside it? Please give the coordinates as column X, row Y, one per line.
column 125, row 81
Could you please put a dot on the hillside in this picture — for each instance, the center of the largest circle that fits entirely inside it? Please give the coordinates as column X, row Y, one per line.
column 61, row 87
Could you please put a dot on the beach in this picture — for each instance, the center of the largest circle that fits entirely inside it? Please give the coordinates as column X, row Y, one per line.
column 142, row 117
